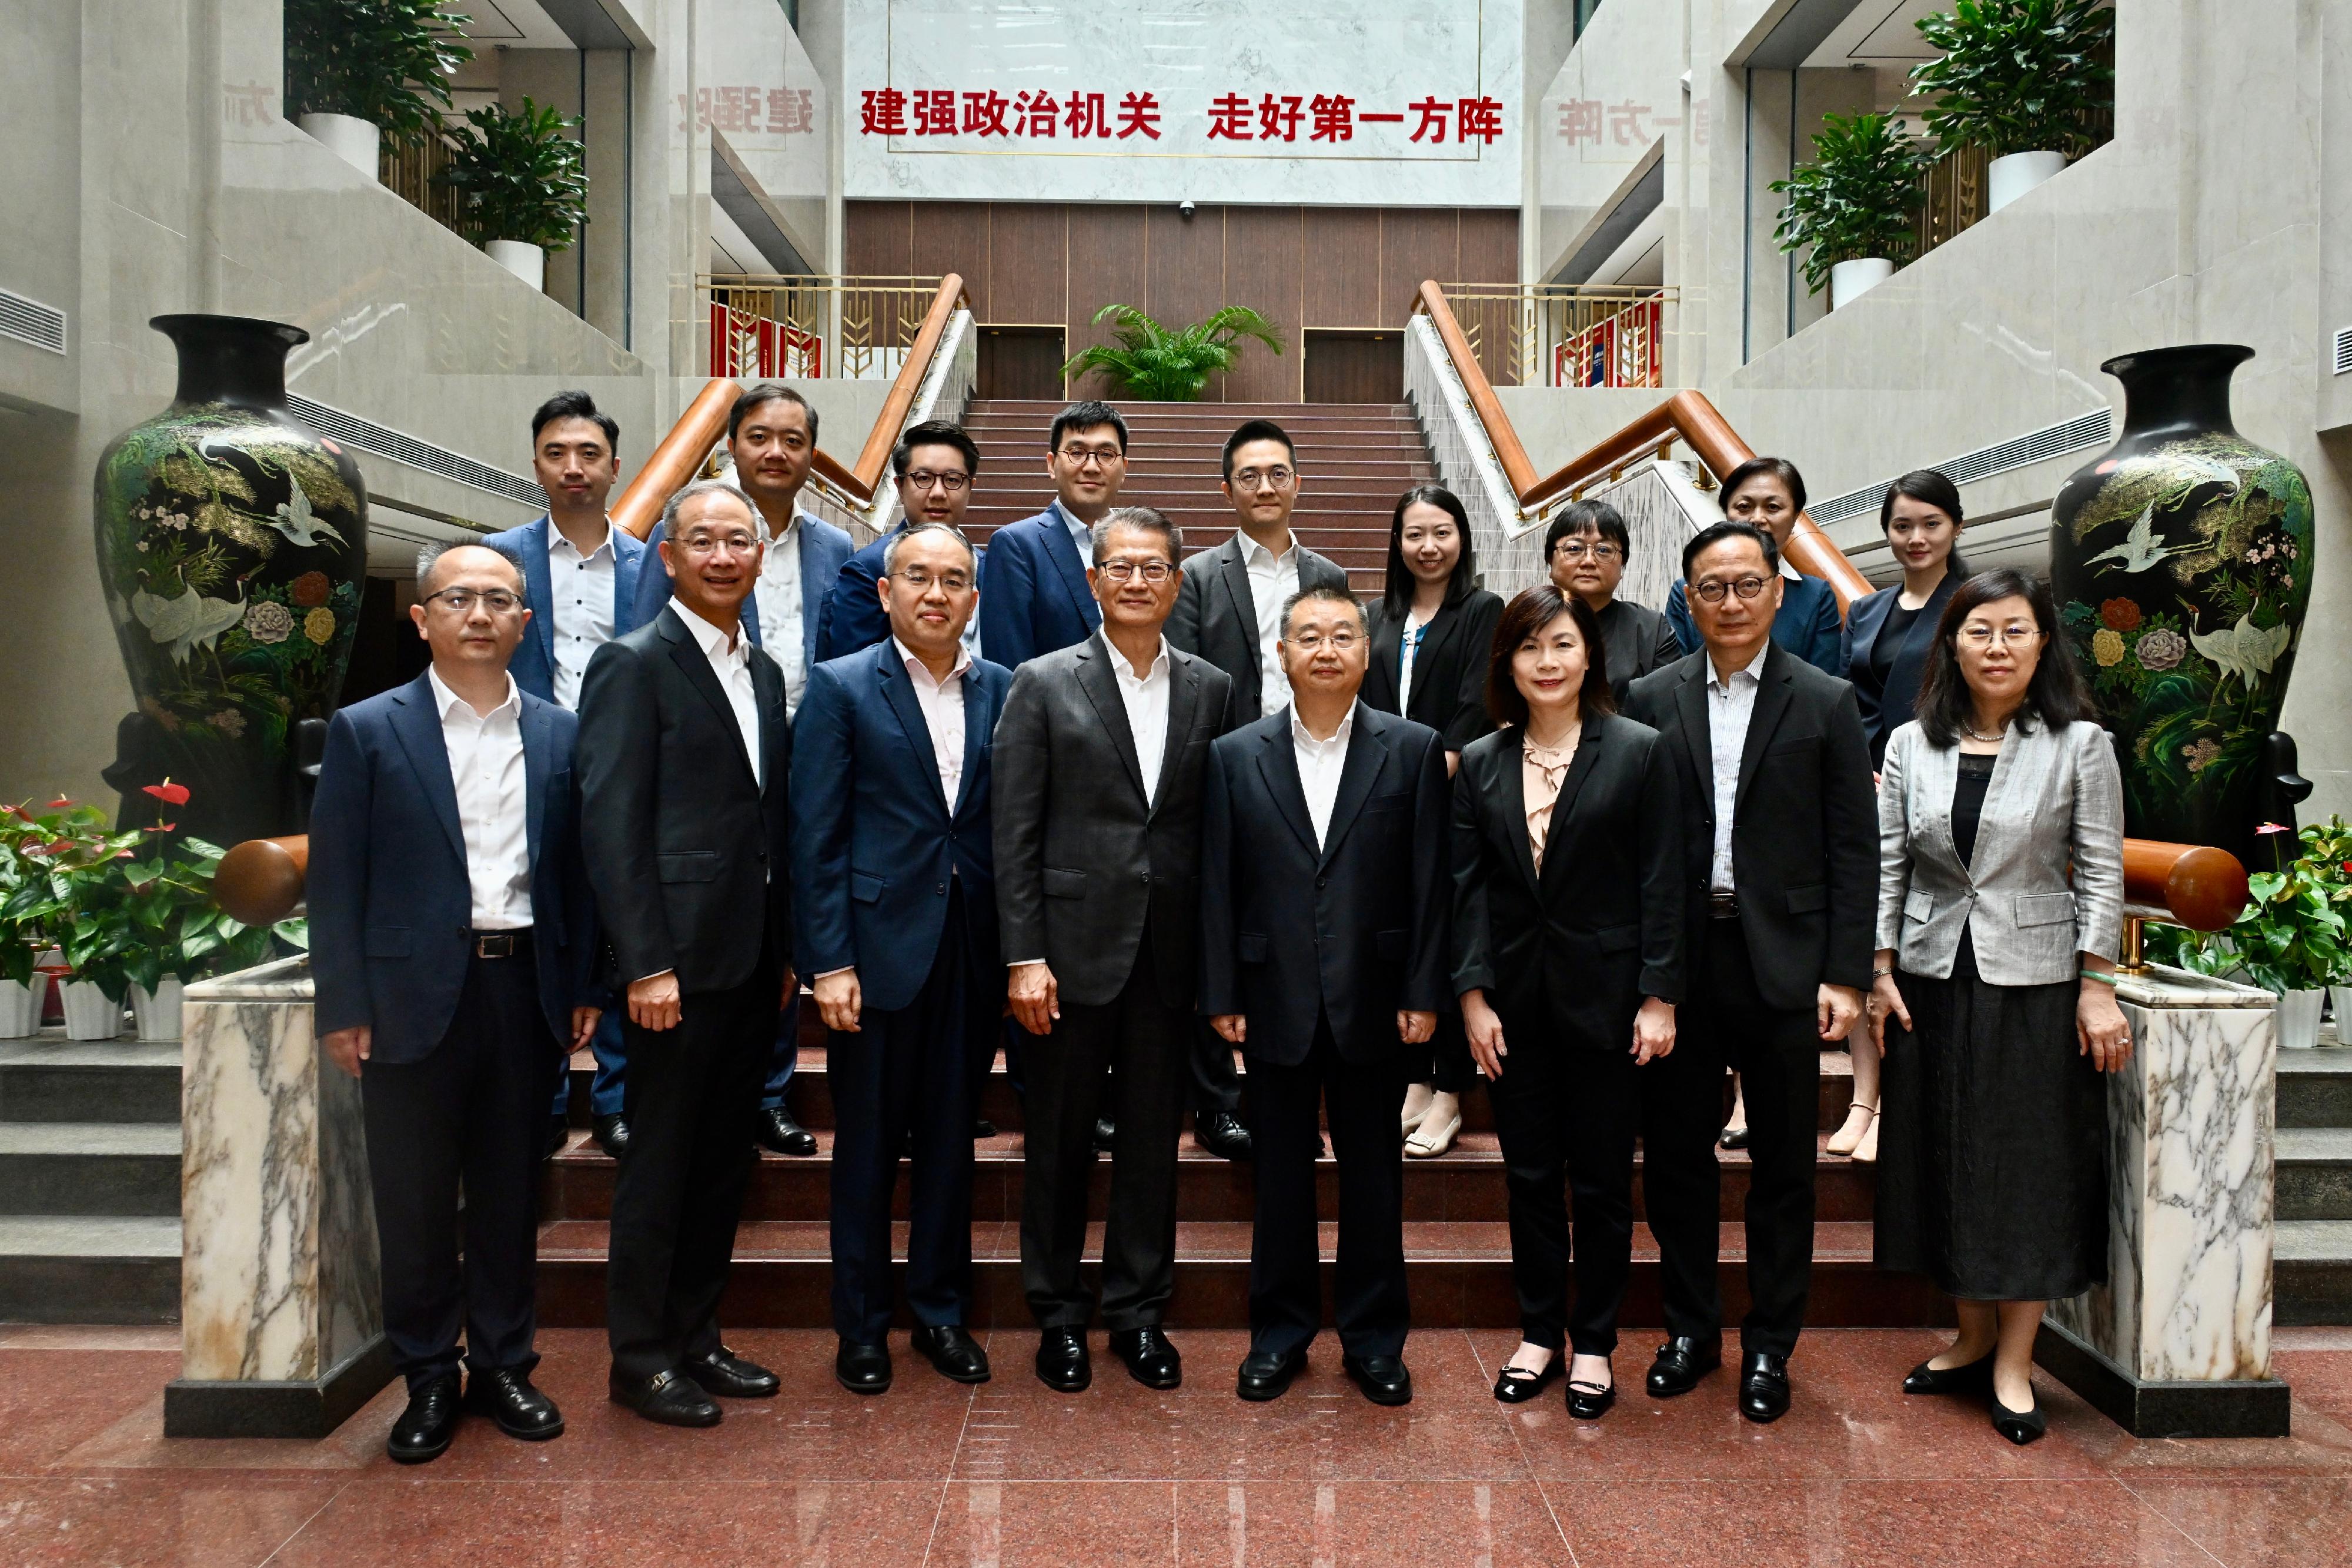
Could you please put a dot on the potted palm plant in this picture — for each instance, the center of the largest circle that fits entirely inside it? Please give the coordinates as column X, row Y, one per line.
column 2019, row 78
column 522, row 183
column 1151, row 365
column 1853, row 208
column 358, row 71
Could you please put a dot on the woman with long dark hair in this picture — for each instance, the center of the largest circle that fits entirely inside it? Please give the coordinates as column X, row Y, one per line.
column 2000, row 911
column 1767, row 493
column 1430, row 634
column 1568, row 953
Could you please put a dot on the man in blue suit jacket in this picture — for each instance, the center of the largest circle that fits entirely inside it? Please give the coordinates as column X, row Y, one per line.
column 771, row 437
column 896, row 929
column 934, row 465
column 451, row 936
column 583, row 575
column 1036, row 597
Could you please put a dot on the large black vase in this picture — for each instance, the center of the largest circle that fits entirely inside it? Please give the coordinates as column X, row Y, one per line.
column 232, row 542
column 2181, row 560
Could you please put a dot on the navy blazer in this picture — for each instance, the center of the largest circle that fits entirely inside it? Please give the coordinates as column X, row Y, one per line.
column 1888, row 709
column 391, row 902
column 823, row 549
column 534, row 661
column 1807, row 626
column 1035, row 598
column 874, row 843
column 853, row 618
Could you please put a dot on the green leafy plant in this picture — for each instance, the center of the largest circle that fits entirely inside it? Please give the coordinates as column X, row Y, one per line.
column 385, row 61
column 519, row 175
column 2295, row 932
column 1857, row 199
column 1151, row 363
column 2016, row 76
column 59, row 864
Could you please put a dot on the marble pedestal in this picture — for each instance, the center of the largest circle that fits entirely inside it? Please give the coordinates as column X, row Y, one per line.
column 2177, row 1342
column 281, row 1329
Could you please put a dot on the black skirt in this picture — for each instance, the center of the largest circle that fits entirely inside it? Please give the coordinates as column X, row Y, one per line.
column 1993, row 1173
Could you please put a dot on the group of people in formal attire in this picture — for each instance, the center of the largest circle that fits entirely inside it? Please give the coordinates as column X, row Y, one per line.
column 1129, row 813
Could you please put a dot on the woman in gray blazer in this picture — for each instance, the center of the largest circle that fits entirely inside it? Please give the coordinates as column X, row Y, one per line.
column 1992, row 1158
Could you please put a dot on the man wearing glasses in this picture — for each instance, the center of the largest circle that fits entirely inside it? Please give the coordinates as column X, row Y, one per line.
column 1037, row 597
column 1585, row 550
column 934, row 463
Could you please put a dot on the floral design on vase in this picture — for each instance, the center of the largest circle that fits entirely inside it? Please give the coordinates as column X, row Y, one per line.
column 232, row 546
column 2181, row 560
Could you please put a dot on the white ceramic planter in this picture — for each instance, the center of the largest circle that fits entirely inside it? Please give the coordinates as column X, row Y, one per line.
column 157, row 1013
column 2339, row 997
column 356, row 141
column 1850, row 280
column 89, row 1014
column 20, row 1008
column 2298, row 1020
column 2011, row 177
column 525, row 260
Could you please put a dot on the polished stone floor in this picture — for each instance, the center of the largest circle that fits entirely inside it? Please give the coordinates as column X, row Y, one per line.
column 1010, row 1473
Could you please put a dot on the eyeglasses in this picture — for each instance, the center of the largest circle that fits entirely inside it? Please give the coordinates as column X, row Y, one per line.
column 1277, row 477
column 1976, row 634
column 1153, row 571
column 924, row 479
column 1576, row 549
column 1337, row 642
column 920, row 579
column 740, row 541
column 461, row 600
column 1080, row 456
column 1713, row 590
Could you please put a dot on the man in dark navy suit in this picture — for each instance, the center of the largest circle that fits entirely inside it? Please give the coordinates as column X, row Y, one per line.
column 1037, row 597
column 450, row 936
column 934, row 466
column 898, row 934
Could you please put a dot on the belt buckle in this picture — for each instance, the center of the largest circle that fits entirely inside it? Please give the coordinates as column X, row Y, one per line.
column 1723, row 906
column 494, row 943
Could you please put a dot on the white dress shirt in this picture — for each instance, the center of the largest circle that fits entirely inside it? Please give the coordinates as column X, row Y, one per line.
column 730, row 661
column 1320, row 763
column 487, row 768
column 783, row 620
column 582, row 588
column 1728, row 709
column 942, row 705
column 1273, row 579
column 1145, row 697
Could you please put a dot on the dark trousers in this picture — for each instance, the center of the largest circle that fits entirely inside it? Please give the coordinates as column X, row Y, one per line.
column 608, row 1090
column 692, row 1092
column 1778, row 1056
column 1567, row 1116
column 1216, row 1085
column 1361, row 1101
column 1449, row 1070
column 913, row 1068
column 1149, row 1044
column 469, row 1116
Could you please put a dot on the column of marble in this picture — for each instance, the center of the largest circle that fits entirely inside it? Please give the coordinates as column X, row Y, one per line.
column 281, row 1291
column 2177, row 1342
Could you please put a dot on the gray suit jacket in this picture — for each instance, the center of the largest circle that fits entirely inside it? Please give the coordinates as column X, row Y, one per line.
column 2056, row 799
column 1216, row 618
column 1081, row 860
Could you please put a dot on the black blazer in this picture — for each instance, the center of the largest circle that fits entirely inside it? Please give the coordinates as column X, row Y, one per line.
column 1216, row 618
column 1574, row 950
column 1887, row 707
column 1356, row 930
column 690, row 856
column 1804, row 837
column 1081, row 860
column 1636, row 640
column 1449, row 673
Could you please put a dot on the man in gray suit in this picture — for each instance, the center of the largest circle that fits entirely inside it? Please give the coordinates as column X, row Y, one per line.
column 1099, row 757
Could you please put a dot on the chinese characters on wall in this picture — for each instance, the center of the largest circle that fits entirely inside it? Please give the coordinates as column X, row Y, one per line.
column 1625, row 124
column 775, row 110
column 1039, row 115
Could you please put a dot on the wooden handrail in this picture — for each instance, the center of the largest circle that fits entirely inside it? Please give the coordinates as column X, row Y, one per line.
column 862, row 480
column 259, row 882
column 2194, row 885
column 1499, row 433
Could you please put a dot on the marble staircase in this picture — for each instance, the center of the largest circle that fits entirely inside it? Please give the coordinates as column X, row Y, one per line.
column 2312, row 1269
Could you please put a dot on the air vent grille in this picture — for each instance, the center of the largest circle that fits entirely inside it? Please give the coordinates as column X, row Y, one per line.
column 2091, row 429
column 30, row 322
column 384, row 442
column 2343, row 351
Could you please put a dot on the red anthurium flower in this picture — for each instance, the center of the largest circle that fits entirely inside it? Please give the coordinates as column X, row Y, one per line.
column 165, row 828
column 2272, row 828
column 168, row 793
column 60, row 804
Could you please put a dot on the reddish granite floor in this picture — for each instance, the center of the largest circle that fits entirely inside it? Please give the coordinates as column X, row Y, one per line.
column 1009, row 1473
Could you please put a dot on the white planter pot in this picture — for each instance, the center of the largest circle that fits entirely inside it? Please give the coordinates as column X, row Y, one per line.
column 1850, row 280
column 2011, row 177
column 157, row 1013
column 20, row 1008
column 89, row 1014
column 525, row 261
column 2339, row 997
column 2298, row 1020
column 356, row 141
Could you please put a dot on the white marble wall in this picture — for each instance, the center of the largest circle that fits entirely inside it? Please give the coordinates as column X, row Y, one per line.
column 2189, row 1127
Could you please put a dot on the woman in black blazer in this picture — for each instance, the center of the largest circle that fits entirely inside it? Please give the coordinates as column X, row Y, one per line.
column 1430, row 635
column 1568, row 958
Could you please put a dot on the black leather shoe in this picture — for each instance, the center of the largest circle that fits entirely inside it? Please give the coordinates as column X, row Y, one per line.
column 982, row 1127
column 862, row 1368
column 670, row 1398
column 1266, row 1375
column 778, row 1132
column 1975, row 1377
column 1733, row 1138
column 1105, row 1133
column 521, row 1410
column 423, row 1432
column 723, row 1375
column 1516, row 1384
column 1383, row 1378
column 611, row 1134
column 1063, row 1365
column 1150, row 1359
column 2019, row 1426
column 559, row 1133
column 1682, row 1362
column 1590, row 1401
column 955, row 1352
column 1763, row 1385
column 1222, row 1135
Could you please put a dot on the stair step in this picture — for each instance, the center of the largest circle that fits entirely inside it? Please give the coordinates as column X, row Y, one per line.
column 52, row 1078
column 89, row 1168
column 90, row 1269
column 1138, row 411
column 2311, row 1278
column 2314, row 1088
column 2314, row 1173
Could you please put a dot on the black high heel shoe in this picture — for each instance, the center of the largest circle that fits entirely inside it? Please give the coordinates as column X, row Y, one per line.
column 2019, row 1426
column 1518, row 1386
column 1975, row 1377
